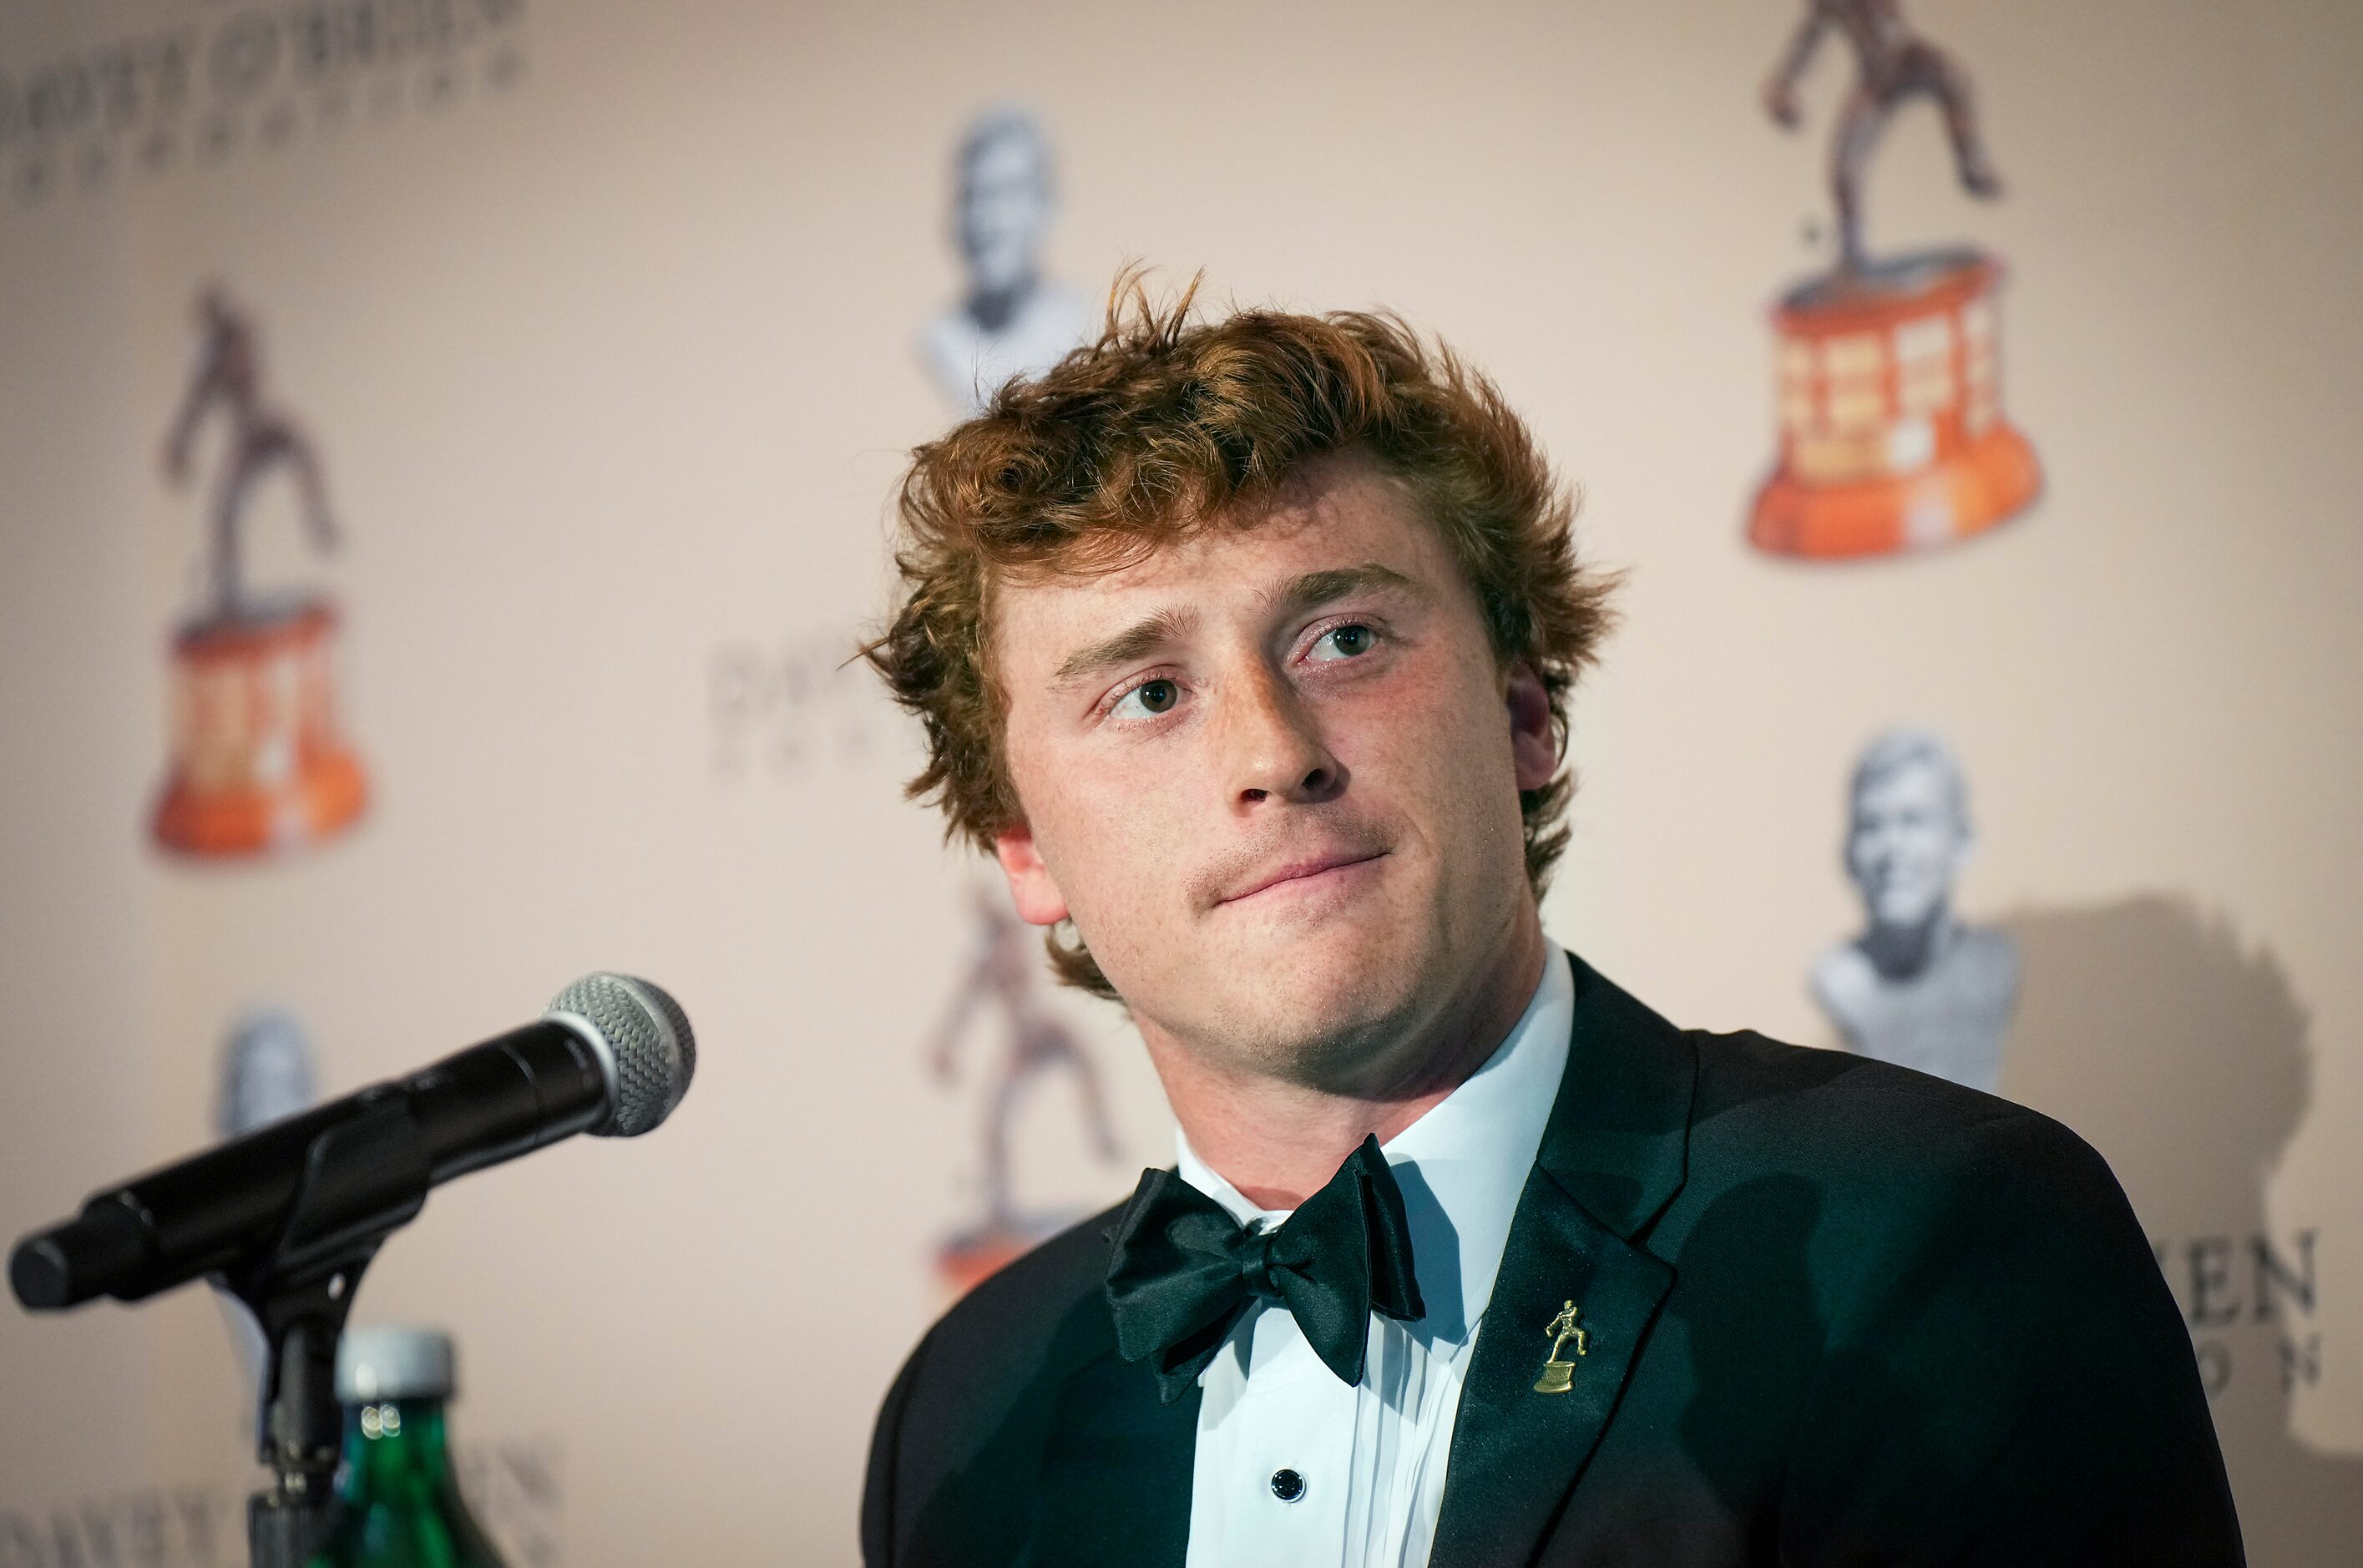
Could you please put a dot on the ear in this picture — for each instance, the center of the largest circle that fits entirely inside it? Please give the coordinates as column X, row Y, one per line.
column 1534, row 749
column 1039, row 900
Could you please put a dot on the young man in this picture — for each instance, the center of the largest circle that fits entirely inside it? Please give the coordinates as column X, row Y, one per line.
column 1246, row 647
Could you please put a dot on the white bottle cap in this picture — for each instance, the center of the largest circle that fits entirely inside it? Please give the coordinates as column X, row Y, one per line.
column 384, row 1362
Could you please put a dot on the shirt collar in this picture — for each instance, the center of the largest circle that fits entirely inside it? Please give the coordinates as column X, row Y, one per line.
column 1463, row 1164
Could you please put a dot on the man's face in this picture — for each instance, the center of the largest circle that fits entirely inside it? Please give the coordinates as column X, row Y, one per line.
column 1905, row 844
column 1005, row 210
column 1272, row 776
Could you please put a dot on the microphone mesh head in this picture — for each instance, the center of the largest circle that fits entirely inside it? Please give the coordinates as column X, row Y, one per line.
column 648, row 1035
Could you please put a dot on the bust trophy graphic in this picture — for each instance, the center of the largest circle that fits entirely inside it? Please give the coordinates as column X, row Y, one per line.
column 266, row 1073
column 1002, row 981
column 1011, row 320
column 1918, row 987
column 1892, row 435
column 257, row 761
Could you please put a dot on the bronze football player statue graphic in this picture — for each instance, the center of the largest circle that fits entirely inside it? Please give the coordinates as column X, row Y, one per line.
column 230, row 373
column 1002, row 981
column 1894, row 65
column 1892, row 435
column 257, row 760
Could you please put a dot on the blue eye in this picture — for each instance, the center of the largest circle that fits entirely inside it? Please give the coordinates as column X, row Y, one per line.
column 1349, row 642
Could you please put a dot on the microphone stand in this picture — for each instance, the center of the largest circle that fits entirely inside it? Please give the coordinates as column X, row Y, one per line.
column 363, row 1179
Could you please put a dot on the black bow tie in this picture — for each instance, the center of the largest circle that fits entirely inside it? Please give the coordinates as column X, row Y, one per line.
column 1184, row 1270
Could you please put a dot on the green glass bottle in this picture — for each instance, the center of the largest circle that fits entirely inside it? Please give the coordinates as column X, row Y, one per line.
column 397, row 1504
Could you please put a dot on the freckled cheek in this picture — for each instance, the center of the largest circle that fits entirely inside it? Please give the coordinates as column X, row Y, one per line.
column 1451, row 781
column 1115, row 828
column 1418, row 730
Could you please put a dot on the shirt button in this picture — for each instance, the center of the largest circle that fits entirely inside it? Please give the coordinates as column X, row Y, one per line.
column 1287, row 1485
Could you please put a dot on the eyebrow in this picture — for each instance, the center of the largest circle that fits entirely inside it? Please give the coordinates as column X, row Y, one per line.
column 1143, row 637
column 1316, row 588
column 1168, row 625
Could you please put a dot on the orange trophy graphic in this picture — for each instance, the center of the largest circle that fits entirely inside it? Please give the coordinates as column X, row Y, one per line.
column 1002, row 981
column 257, row 761
column 1891, row 431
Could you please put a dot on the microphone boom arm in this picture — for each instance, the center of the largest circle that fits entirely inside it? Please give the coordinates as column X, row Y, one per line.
column 363, row 1179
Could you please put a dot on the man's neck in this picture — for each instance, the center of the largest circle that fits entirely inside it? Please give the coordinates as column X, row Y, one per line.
column 1278, row 1142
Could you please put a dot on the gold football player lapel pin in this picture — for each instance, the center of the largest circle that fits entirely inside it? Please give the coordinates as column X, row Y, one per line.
column 1559, row 1376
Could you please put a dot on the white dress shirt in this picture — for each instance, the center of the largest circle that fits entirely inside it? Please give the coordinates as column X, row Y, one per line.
column 1369, row 1461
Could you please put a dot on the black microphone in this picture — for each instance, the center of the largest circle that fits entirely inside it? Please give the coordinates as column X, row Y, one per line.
column 611, row 1057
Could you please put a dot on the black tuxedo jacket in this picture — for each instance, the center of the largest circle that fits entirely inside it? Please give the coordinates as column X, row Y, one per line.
column 1840, row 1312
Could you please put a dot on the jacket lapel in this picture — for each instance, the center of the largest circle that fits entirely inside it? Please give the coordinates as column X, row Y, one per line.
column 1117, row 1474
column 1613, row 1156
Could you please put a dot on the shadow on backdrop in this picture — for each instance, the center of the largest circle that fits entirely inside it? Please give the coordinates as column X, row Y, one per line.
column 2182, row 1056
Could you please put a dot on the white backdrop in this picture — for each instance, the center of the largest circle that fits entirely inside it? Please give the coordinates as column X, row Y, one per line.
column 602, row 317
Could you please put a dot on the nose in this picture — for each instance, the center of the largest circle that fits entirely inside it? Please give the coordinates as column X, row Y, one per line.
column 1274, row 751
